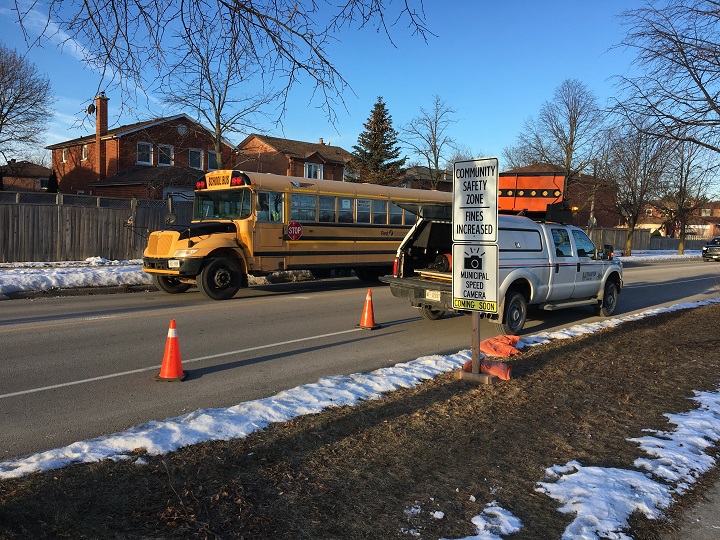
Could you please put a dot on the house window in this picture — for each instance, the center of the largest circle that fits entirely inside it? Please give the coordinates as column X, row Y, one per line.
column 195, row 158
column 705, row 212
column 64, row 155
column 84, row 152
column 314, row 170
column 165, row 155
column 212, row 161
column 648, row 212
column 144, row 153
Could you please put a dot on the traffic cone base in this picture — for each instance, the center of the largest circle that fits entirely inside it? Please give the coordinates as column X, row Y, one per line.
column 171, row 369
column 367, row 319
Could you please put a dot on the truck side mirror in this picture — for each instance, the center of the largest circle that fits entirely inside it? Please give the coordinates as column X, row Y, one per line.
column 608, row 252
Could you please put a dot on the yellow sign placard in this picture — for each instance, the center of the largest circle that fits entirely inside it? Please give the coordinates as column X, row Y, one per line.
column 475, row 305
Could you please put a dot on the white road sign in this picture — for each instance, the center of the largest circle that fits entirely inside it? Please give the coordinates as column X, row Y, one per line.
column 475, row 195
column 475, row 281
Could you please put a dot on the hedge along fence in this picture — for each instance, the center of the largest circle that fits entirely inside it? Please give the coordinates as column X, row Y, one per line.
column 55, row 227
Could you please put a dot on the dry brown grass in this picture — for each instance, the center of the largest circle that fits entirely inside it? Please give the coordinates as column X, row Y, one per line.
column 353, row 473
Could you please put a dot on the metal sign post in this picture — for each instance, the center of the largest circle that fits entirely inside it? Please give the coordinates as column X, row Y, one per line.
column 475, row 249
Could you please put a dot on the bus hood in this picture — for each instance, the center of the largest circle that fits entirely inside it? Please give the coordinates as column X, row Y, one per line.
column 207, row 228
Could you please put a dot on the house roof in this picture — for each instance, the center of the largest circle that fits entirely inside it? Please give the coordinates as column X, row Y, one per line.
column 146, row 175
column 130, row 128
column 303, row 150
column 420, row 172
column 537, row 168
column 24, row 169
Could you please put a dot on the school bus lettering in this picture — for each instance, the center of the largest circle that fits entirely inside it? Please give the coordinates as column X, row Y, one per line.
column 217, row 181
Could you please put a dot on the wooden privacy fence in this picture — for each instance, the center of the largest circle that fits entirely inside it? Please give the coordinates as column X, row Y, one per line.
column 58, row 227
column 642, row 240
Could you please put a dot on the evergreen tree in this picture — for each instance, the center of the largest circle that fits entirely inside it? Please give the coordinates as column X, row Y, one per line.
column 376, row 155
column 52, row 186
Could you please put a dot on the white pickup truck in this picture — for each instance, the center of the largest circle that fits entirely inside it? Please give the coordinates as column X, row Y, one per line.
column 543, row 264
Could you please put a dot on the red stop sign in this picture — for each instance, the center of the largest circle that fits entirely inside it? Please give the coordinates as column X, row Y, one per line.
column 294, row 230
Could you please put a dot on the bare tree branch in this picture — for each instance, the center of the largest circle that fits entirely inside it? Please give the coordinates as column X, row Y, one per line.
column 132, row 44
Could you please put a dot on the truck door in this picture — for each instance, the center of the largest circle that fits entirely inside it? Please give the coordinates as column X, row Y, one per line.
column 565, row 266
column 590, row 271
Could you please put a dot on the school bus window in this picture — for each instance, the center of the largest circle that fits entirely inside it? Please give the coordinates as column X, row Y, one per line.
column 410, row 218
column 345, row 210
column 269, row 207
column 363, row 211
column 302, row 207
column 327, row 209
column 380, row 209
column 396, row 215
column 222, row 204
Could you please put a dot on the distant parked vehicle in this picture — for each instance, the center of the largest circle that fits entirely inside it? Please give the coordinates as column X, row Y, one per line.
column 711, row 250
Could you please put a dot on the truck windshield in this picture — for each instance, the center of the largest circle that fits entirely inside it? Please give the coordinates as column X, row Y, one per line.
column 225, row 204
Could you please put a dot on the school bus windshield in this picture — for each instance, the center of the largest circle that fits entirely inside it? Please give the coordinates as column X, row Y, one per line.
column 222, row 204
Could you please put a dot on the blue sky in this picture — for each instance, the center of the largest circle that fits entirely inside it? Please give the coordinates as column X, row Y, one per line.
column 494, row 63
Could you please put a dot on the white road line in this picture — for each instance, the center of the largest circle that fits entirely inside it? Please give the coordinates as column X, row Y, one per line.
column 665, row 284
column 190, row 361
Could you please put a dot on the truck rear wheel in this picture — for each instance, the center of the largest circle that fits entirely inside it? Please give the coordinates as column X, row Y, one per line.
column 609, row 301
column 170, row 284
column 431, row 314
column 514, row 314
column 220, row 279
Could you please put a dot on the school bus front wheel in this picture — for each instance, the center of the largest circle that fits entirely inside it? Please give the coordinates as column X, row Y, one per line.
column 220, row 279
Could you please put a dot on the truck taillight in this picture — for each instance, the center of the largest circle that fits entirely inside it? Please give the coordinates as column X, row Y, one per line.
column 396, row 267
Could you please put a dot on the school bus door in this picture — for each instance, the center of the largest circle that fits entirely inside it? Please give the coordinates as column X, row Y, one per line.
column 269, row 246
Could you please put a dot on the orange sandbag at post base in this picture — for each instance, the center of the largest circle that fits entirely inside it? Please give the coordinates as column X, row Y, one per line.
column 488, row 367
column 500, row 346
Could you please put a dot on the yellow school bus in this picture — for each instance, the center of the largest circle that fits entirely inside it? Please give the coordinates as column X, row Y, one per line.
column 247, row 223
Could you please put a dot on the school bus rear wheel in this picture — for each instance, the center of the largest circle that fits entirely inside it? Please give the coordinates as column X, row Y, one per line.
column 220, row 279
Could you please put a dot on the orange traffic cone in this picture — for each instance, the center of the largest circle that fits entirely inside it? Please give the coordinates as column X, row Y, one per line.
column 367, row 319
column 171, row 369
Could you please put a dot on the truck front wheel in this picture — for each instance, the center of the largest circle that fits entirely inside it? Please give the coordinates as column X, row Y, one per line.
column 220, row 279
column 514, row 314
column 170, row 284
column 609, row 301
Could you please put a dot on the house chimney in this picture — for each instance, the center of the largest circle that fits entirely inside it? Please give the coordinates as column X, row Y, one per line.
column 321, row 142
column 101, row 128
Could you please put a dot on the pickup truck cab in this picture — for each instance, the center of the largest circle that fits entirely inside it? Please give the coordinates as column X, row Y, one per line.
column 548, row 265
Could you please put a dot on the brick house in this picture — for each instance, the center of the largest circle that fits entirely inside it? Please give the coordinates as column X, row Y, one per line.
column 120, row 162
column 260, row 153
column 24, row 176
column 703, row 223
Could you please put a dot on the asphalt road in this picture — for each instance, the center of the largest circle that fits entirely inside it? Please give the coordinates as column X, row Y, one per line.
column 78, row 367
